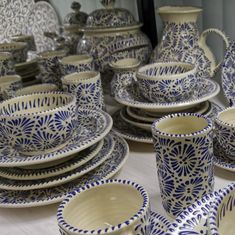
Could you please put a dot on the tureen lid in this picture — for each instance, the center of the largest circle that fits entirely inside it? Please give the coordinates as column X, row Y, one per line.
column 110, row 17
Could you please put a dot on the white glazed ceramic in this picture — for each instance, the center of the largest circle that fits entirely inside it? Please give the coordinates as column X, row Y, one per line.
column 38, row 123
column 87, row 88
column 222, row 212
column 225, row 131
column 36, row 89
column 167, row 82
column 184, row 154
column 9, row 84
column 106, row 207
column 29, row 39
column 6, row 64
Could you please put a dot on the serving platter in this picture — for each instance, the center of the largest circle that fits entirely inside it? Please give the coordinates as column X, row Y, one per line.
column 40, row 197
column 94, row 126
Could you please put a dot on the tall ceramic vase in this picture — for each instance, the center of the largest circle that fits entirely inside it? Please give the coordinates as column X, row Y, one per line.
column 181, row 40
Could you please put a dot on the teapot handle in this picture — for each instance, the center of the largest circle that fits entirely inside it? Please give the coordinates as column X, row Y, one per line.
column 202, row 41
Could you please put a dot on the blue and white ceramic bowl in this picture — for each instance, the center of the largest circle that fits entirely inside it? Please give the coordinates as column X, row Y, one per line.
column 222, row 212
column 225, row 131
column 167, row 82
column 37, row 123
column 106, row 207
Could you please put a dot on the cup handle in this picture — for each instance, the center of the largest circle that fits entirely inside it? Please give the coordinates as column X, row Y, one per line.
column 202, row 41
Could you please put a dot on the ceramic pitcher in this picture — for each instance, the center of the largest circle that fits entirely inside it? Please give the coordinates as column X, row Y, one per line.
column 181, row 40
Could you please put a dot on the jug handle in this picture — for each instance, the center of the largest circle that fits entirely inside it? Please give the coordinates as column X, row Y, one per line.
column 203, row 37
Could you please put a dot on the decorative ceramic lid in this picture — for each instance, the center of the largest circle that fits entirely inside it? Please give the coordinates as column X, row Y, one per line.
column 110, row 17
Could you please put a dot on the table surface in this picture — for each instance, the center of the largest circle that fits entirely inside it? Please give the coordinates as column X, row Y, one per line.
column 140, row 167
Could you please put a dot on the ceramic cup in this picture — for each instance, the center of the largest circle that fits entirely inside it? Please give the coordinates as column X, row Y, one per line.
column 9, row 84
column 29, row 39
column 225, row 131
column 50, row 67
column 222, row 212
column 124, row 73
column 106, row 207
column 75, row 64
column 6, row 64
column 17, row 49
column 38, row 123
column 184, row 153
column 87, row 88
column 167, row 81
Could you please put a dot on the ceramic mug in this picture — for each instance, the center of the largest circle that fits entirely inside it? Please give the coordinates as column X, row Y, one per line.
column 6, row 64
column 75, row 64
column 106, row 207
column 29, row 39
column 184, row 153
column 87, row 88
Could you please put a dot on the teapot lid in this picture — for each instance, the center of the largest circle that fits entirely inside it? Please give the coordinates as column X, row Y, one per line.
column 110, row 17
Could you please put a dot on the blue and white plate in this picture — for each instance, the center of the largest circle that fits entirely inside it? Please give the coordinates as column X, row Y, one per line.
column 40, row 197
column 159, row 224
column 228, row 74
column 131, row 96
column 94, row 126
column 193, row 220
column 103, row 154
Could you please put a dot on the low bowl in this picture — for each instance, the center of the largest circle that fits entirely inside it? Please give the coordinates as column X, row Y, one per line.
column 167, row 82
column 105, row 207
column 38, row 123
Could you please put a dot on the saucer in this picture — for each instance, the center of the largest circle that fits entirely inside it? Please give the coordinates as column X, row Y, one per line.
column 193, row 220
column 40, row 197
column 94, row 126
column 130, row 96
column 98, row 159
column 159, row 224
column 129, row 131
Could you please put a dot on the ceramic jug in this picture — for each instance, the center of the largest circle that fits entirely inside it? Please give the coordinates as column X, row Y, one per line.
column 181, row 40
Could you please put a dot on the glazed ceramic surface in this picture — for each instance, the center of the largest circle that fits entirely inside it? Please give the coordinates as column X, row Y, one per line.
column 97, row 160
column 167, row 82
column 129, row 212
column 38, row 123
column 14, row 17
column 29, row 39
column 222, row 212
column 225, row 131
column 131, row 96
column 42, row 18
column 228, row 73
column 181, row 40
column 94, row 126
column 6, row 64
column 39, row 197
column 184, row 154
column 87, row 88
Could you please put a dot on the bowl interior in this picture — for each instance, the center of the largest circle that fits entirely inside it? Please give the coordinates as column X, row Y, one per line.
column 51, row 54
column 227, row 116
column 181, row 125
column 80, row 77
column 76, row 59
column 11, row 46
column 102, row 207
column 8, row 79
column 126, row 63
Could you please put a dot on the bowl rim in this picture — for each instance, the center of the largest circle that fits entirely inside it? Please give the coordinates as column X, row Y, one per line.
column 115, row 66
column 81, row 58
column 72, row 78
column 12, row 115
column 15, row 78
column 142, row 211
column 178, row 9
column 18, row 46
column 223, row 123
column 140, row 72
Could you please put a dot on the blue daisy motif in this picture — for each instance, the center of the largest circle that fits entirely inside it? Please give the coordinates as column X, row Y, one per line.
column 22, row 143
column 63, row 120
column 177, row 208
column 85, row 92
column 166, row 183
column 45, row 122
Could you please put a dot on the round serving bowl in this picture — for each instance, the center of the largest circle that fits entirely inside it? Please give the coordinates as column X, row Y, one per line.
column 167, row 81
column 222, row 212
column 105, row 207
column 225, row 131
column 38, row 123
column 46, row 87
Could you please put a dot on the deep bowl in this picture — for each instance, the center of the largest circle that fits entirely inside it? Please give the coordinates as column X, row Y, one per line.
column 167, row 81
column 38, row 123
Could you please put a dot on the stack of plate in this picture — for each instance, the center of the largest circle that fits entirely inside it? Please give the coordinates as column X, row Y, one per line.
column 133, row 122
column 93, row 153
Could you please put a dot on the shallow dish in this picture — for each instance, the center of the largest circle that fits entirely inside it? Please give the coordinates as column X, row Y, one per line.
column 131, row 96
column 95, row 125
column 41, row 197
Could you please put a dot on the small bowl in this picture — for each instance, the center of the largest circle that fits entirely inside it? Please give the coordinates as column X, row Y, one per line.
column 38, row 123
column 225, row 131
column 46, row 87
column 222, row 212
column 105, row 207
column 17, row 49
column 9, row 84
column 167, row 82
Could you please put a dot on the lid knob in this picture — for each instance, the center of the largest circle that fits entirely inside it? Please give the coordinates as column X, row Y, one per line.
column 108, row 4
column 76, row 6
